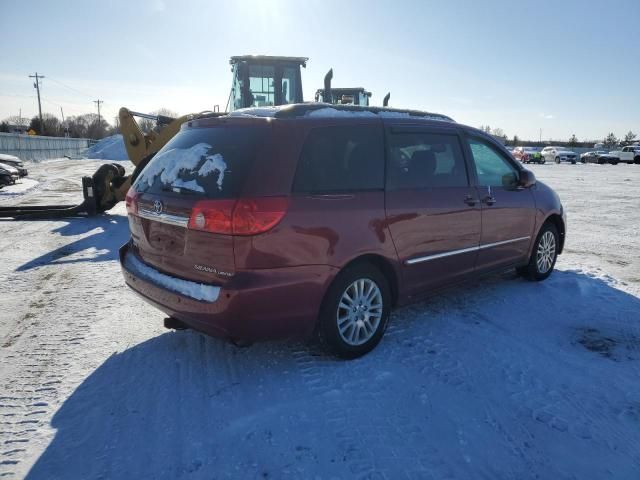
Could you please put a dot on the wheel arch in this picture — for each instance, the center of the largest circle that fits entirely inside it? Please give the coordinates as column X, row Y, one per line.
column 386, row 268
column 558, row 222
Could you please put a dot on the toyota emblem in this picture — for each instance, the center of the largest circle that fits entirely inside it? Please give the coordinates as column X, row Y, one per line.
column 157, row 206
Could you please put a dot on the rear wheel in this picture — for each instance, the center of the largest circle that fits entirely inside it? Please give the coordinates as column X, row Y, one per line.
column 557, row 159
column 355, row 311
column 544, row 255
column 637, row 160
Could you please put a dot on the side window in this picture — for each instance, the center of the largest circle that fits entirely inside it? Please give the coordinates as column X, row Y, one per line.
column 341, row 159
column 425, row 160
column 492, row 168
column 289, row 84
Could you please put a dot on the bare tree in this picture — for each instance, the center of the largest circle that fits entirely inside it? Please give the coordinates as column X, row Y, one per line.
column 610, row 141
column 146, row 125
column 573, row 141
column 17, row 120
column 629, row 137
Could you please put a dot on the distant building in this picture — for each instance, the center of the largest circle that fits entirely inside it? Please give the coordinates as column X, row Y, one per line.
column 18, row 128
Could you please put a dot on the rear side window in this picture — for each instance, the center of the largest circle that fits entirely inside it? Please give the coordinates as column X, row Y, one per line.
column 341, row 159
column 425, row 160
column 209, row 162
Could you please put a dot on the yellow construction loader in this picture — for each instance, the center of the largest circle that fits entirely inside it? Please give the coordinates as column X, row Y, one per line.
column 258, row 81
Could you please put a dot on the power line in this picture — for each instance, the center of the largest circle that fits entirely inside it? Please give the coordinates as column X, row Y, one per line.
column 70, row 88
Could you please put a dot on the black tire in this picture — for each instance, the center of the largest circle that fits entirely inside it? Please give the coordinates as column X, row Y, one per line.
column 637, row 160
column 542, row 161
column 573, row 162
column 613, row 162
column 557, row 159
column 328, row 320
column 531, row 271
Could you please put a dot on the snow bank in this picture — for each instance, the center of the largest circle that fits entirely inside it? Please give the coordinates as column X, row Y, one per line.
column 109, row 148
column 19, row 188
column 199, row 291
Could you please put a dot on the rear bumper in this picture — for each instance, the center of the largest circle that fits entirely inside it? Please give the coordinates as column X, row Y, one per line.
column 253, row 305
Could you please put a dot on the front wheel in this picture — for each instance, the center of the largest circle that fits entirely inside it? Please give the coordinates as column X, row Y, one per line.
column 355, row 311
column 544, row 255
column 557, row 159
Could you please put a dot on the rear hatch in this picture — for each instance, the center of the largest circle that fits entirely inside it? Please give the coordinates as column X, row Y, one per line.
column 205, row 165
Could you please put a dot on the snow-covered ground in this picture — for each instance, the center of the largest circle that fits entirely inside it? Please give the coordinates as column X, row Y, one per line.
column 500, row 379
column 20, row 187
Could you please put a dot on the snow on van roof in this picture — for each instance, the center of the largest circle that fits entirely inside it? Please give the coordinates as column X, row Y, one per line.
column 326, row 110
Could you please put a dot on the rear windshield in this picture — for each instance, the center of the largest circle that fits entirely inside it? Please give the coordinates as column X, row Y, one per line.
column 208, row 162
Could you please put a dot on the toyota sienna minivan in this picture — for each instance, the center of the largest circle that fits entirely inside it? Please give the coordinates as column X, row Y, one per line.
column 315, row 220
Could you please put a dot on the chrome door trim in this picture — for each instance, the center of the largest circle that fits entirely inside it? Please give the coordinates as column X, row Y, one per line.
column 177, row 220
column 428, row 258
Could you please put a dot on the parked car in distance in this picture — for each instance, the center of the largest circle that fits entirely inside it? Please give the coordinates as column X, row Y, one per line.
column 596, row 156
column 559, row 154
column 15, row 162
column 8, row 175
column 629, row 154
column 309, row 219
column 528, row 155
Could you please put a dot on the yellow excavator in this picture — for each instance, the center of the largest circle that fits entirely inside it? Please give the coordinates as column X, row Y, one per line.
column 258, row 81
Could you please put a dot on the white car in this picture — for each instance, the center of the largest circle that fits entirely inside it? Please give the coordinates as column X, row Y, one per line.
column 558, row 154
column 630, row 154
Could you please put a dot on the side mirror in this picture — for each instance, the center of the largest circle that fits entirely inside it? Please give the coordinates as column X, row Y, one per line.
column 527, row 178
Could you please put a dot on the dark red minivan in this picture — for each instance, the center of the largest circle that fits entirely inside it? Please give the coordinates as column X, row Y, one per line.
column 312, row 218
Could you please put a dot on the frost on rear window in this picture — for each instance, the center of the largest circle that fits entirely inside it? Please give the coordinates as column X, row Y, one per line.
column 185, row 168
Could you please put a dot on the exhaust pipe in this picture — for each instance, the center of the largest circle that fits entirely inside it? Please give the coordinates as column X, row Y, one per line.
column 327, row 86
column 385, row 102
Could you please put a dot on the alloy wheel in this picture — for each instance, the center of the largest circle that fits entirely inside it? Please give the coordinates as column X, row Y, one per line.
column 359, row 311
column 546, row 253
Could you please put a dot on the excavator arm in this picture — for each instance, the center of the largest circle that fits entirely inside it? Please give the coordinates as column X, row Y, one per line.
column 140, row 145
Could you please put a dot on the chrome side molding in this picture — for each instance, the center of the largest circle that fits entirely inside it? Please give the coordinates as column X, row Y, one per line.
column 427, row 258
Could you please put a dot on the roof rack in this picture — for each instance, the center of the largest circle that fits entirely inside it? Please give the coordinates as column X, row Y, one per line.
column 316, row 109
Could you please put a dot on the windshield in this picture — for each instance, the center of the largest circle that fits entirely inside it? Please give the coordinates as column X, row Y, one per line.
column 210, row 162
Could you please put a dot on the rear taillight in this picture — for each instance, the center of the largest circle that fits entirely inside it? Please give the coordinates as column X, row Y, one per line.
column 212, row 216
column 131, row 201
column 246, row 216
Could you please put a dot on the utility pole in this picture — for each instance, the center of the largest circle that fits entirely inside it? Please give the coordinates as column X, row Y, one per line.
column 98, row 102
column 37, row 85
column 62, row 113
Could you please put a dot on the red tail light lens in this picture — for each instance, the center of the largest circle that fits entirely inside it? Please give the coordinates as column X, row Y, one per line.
column 246, row 216
column 131, row 201
column 256, row 215
column 213, row 216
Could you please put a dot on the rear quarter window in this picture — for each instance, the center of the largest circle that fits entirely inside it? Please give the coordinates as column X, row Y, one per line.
column 341, row 159
column 209, row 162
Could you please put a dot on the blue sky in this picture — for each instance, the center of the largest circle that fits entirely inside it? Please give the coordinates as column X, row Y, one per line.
column 561, row 66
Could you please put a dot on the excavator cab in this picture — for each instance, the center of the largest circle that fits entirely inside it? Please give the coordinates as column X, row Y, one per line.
column 265, row 81
column 345, row 96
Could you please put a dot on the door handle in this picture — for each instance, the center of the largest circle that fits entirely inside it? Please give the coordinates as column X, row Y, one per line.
column 489, row 200
column 469, row 200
